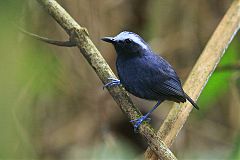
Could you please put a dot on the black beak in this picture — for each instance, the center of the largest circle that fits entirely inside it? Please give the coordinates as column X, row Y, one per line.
column 108, row 39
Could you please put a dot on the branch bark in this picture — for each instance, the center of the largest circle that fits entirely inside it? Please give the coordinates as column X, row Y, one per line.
column 200, row 74
column 79, row 36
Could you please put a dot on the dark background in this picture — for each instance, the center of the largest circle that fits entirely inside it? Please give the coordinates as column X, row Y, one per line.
column 52, row 105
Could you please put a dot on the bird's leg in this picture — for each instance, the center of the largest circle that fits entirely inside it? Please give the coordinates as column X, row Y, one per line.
column 138, row 122
column 113, row 82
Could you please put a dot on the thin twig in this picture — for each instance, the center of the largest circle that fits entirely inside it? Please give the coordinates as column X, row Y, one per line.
column 200, row 74
column 47, row 40
column 228, row 68
column 80, row 36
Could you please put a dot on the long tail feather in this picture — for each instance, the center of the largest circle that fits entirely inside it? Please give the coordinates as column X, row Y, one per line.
column 191, row 101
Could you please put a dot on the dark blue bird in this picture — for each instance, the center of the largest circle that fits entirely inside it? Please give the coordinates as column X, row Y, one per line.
column 145, row 74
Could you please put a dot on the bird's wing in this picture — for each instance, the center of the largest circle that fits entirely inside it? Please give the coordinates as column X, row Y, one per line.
column 165, row 82
column 169, row 89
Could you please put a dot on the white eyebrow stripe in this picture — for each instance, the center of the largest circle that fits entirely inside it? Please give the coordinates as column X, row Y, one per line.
column 134, row 37
column 138, row 41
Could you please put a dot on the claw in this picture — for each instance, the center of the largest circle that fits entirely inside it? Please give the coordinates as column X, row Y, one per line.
column 138, row 122
column 147, row 120
column 113, row 82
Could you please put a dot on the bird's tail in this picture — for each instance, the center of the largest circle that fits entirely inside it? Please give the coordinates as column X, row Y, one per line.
column 191, row 101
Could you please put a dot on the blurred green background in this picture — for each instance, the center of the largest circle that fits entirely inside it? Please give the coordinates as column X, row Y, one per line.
column 52, row 105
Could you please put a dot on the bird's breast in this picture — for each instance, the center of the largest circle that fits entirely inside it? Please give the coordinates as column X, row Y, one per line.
column 133, row 74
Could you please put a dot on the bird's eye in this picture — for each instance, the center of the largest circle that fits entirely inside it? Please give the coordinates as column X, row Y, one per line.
column 128, row 41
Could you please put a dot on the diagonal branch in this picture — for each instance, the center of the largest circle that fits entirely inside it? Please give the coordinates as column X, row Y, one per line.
column 80, row 37
column 200, row 74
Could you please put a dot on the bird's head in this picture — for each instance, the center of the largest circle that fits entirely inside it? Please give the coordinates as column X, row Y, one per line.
column 128, row 43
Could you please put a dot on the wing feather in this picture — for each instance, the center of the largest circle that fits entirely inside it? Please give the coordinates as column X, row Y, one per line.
column 168, row 84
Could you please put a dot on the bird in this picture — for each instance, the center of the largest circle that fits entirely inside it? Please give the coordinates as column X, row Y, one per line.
column 144, row 73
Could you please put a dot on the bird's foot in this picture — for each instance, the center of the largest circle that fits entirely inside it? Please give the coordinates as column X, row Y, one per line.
column 113, row 82
column 138, row 122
